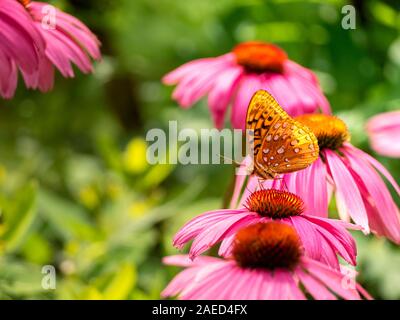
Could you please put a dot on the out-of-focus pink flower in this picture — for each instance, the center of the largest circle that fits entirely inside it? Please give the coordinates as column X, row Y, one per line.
column 350, row 174
column 21, row 46
column 68, row 41
column 267, row 263
column 236, row 76
column 384, row 132
column 321, row 238
column 35, row 38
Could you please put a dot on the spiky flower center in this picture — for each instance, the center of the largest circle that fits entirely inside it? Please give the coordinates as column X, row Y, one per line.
column 275, row 204
column 24, row 2
column 271, row 245
column 330, row 131
column 260, row 57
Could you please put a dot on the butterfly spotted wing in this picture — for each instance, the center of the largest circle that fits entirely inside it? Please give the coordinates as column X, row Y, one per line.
column 281, row 144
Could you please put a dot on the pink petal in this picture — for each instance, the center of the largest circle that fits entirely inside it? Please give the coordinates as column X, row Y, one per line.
column 208, row 237
column 8, row 76
column 180, row 281
column 184, row 260
column 317, row 201
column 331, row 278
column 347, row 189
column 383, row 131
column 294, row 291
column 278, row 85
column 310, row 238
column 232, row 289
column 383, row 212
column 228, row 238
column 376, row 165
column 338, row 237
column 315, row 287
column 307, row 185
column 196, row 85
column 364, row 292
column 221, row 93
column 240, row 280
column 208, row 282
column 306, row 103
column 249, row 84
column 187, row 69
column 205, row 221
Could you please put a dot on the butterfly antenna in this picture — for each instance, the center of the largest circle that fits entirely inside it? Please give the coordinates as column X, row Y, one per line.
column 233, row 161
column 247, row 189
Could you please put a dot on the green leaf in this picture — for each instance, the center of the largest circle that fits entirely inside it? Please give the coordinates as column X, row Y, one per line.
column 122, row 283
column 20, row 217
column 70, row 220
column 19, row 279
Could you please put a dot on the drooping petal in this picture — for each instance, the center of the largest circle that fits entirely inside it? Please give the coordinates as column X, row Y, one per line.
column 194, row 87
column 305, row 101
column 214, row 281
column 333, row 279
column 221, row 93
column 309, row 237
column 294, row 292
column 337, row 236
column 203, row 221
column 233, row 288
column 317, row 202
column 315, row 287
column 363, row 292
column 8, row 76
column 209, row 282
column 382, row 211
column 197, row 65
column 281, row 90
column 249, row 84
column 180, row 281
column 19, row 39
column 311, row 186
column 225, row 248
column 347, row 190
column 379, row 167
column 208, row 237
column 68, row 42
column 183, row 260
column 310, row 85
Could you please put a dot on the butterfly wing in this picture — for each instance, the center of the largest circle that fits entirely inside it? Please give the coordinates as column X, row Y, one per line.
column 263, row 112
column 281, row 144
column 290, row 146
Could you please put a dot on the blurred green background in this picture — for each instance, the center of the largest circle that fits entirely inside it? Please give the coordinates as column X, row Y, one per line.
column 75, row 189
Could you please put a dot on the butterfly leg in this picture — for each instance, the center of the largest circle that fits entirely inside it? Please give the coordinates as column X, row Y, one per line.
column 260, row 184
column 283, row 185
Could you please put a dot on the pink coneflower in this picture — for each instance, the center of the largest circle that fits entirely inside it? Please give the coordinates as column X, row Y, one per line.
column 21, row 46
column 383, row 131
column 351, row 174
column 38, row 38
column 235, row 76
column 68, row 41
column 321, row 238
column 267, row 263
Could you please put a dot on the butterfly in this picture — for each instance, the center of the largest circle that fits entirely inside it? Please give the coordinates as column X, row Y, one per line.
column 281, row 144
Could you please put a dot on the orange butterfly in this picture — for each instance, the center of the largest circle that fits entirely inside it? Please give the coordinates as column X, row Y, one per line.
column 281, row 144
